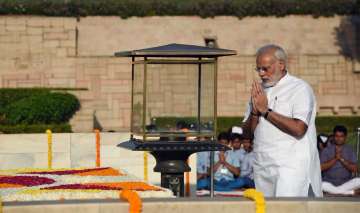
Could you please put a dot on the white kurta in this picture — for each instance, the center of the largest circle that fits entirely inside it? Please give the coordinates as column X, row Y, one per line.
column 285, row 166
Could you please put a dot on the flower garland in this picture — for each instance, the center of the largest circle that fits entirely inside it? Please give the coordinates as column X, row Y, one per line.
column 18, row 181
column 106, row 171
column 10, row 185
column 134, row 200
column 145, row 155
column 67, row 184
column 258, row 197
column 49, row 141
column 97, row 144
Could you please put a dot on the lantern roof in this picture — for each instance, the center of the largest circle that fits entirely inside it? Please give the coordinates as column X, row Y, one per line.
column 177, row 50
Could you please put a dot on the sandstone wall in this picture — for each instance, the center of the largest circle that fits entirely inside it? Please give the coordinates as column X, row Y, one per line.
column 66, row 52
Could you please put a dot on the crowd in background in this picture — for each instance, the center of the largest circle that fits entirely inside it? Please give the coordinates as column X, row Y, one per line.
column 233, row 169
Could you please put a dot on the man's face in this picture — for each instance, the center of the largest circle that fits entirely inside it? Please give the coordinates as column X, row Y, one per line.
column 224, row 142
column 236, row 143
column 269, row 69
column 339, row 138
column 247, row 145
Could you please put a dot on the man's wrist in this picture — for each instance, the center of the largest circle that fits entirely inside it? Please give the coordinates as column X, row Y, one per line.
column 266, row 113
column 256, row 114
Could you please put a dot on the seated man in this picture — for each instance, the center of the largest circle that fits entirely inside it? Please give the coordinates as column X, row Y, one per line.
column 226, row 168
column 246, row 179
column 338, row 160
column 202, row 166
column 237, row 150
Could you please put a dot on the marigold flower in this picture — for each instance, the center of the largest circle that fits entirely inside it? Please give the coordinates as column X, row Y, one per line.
column 134, row 200
column 258, row 197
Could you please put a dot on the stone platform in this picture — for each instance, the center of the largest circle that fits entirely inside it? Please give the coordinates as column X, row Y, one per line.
column 188, row 205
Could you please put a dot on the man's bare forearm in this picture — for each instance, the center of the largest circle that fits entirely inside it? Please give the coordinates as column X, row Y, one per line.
column 233, row 169
column 349, row 165
column 250, row 125
column 328, row 164
column 217, row 165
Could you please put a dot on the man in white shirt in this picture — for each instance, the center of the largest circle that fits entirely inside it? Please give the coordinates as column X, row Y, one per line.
column 202, row 167
column 246, row 179
column 226, row 168
column 247, row 165
column 281, row 117
column 236, row 143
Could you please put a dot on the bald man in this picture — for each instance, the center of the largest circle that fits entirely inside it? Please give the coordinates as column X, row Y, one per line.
column 281, row 117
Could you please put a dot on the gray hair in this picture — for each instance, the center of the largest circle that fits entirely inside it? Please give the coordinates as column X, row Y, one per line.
column 279, row 52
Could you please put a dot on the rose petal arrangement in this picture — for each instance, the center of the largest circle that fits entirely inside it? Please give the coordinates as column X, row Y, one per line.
column 80, row 183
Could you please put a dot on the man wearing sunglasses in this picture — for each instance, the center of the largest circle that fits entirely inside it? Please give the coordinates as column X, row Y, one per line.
column 281, row 117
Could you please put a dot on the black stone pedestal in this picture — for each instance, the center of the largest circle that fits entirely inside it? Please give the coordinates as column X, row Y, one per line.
column 171, row 157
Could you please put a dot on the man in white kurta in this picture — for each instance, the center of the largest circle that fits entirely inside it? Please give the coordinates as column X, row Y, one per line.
column 282, row 110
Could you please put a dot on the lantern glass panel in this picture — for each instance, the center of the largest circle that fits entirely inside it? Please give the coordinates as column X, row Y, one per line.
column 173, row 106
column 207, row 106
column 138, row 100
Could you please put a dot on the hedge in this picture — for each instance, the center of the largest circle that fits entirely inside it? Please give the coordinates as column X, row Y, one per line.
column 35, row 128
column 42, row 109
column 25, row 110
column 324, row 124
column 203, row 8
column 11, row 95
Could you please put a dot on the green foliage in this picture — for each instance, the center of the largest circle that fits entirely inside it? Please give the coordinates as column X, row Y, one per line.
column 42, row 109
column 225, row 123
column 327, row 124
column 164, row 122
column 324, row 124
column 203, row 8
column 11, row 95
column 35, row 128
column 33, row 110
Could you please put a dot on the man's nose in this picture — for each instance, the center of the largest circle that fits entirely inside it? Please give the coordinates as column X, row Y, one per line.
column 262, row 73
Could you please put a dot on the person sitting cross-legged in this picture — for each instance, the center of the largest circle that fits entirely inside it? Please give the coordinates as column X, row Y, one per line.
column 236, row 144
column 226, row 168
column 202, row 166
column 246, row 179
column 338, row 164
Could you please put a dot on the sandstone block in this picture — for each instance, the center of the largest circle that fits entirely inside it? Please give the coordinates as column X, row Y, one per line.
column 51, row 44
column 34, row 21
column 67, row 43
column 56, row 36
column 10, row 38
column 57, row 22
column 15, row 20
column 70, row 51
column 356, row 67
column 328, row 59
column 61, row 52
column 70, row 23
column 15, row 28
column 53, row 29
column 34, row 31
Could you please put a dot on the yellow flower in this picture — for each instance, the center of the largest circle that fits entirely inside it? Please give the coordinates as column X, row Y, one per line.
column 258, row 197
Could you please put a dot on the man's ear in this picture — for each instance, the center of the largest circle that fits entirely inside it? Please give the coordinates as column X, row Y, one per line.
column 282, row 65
